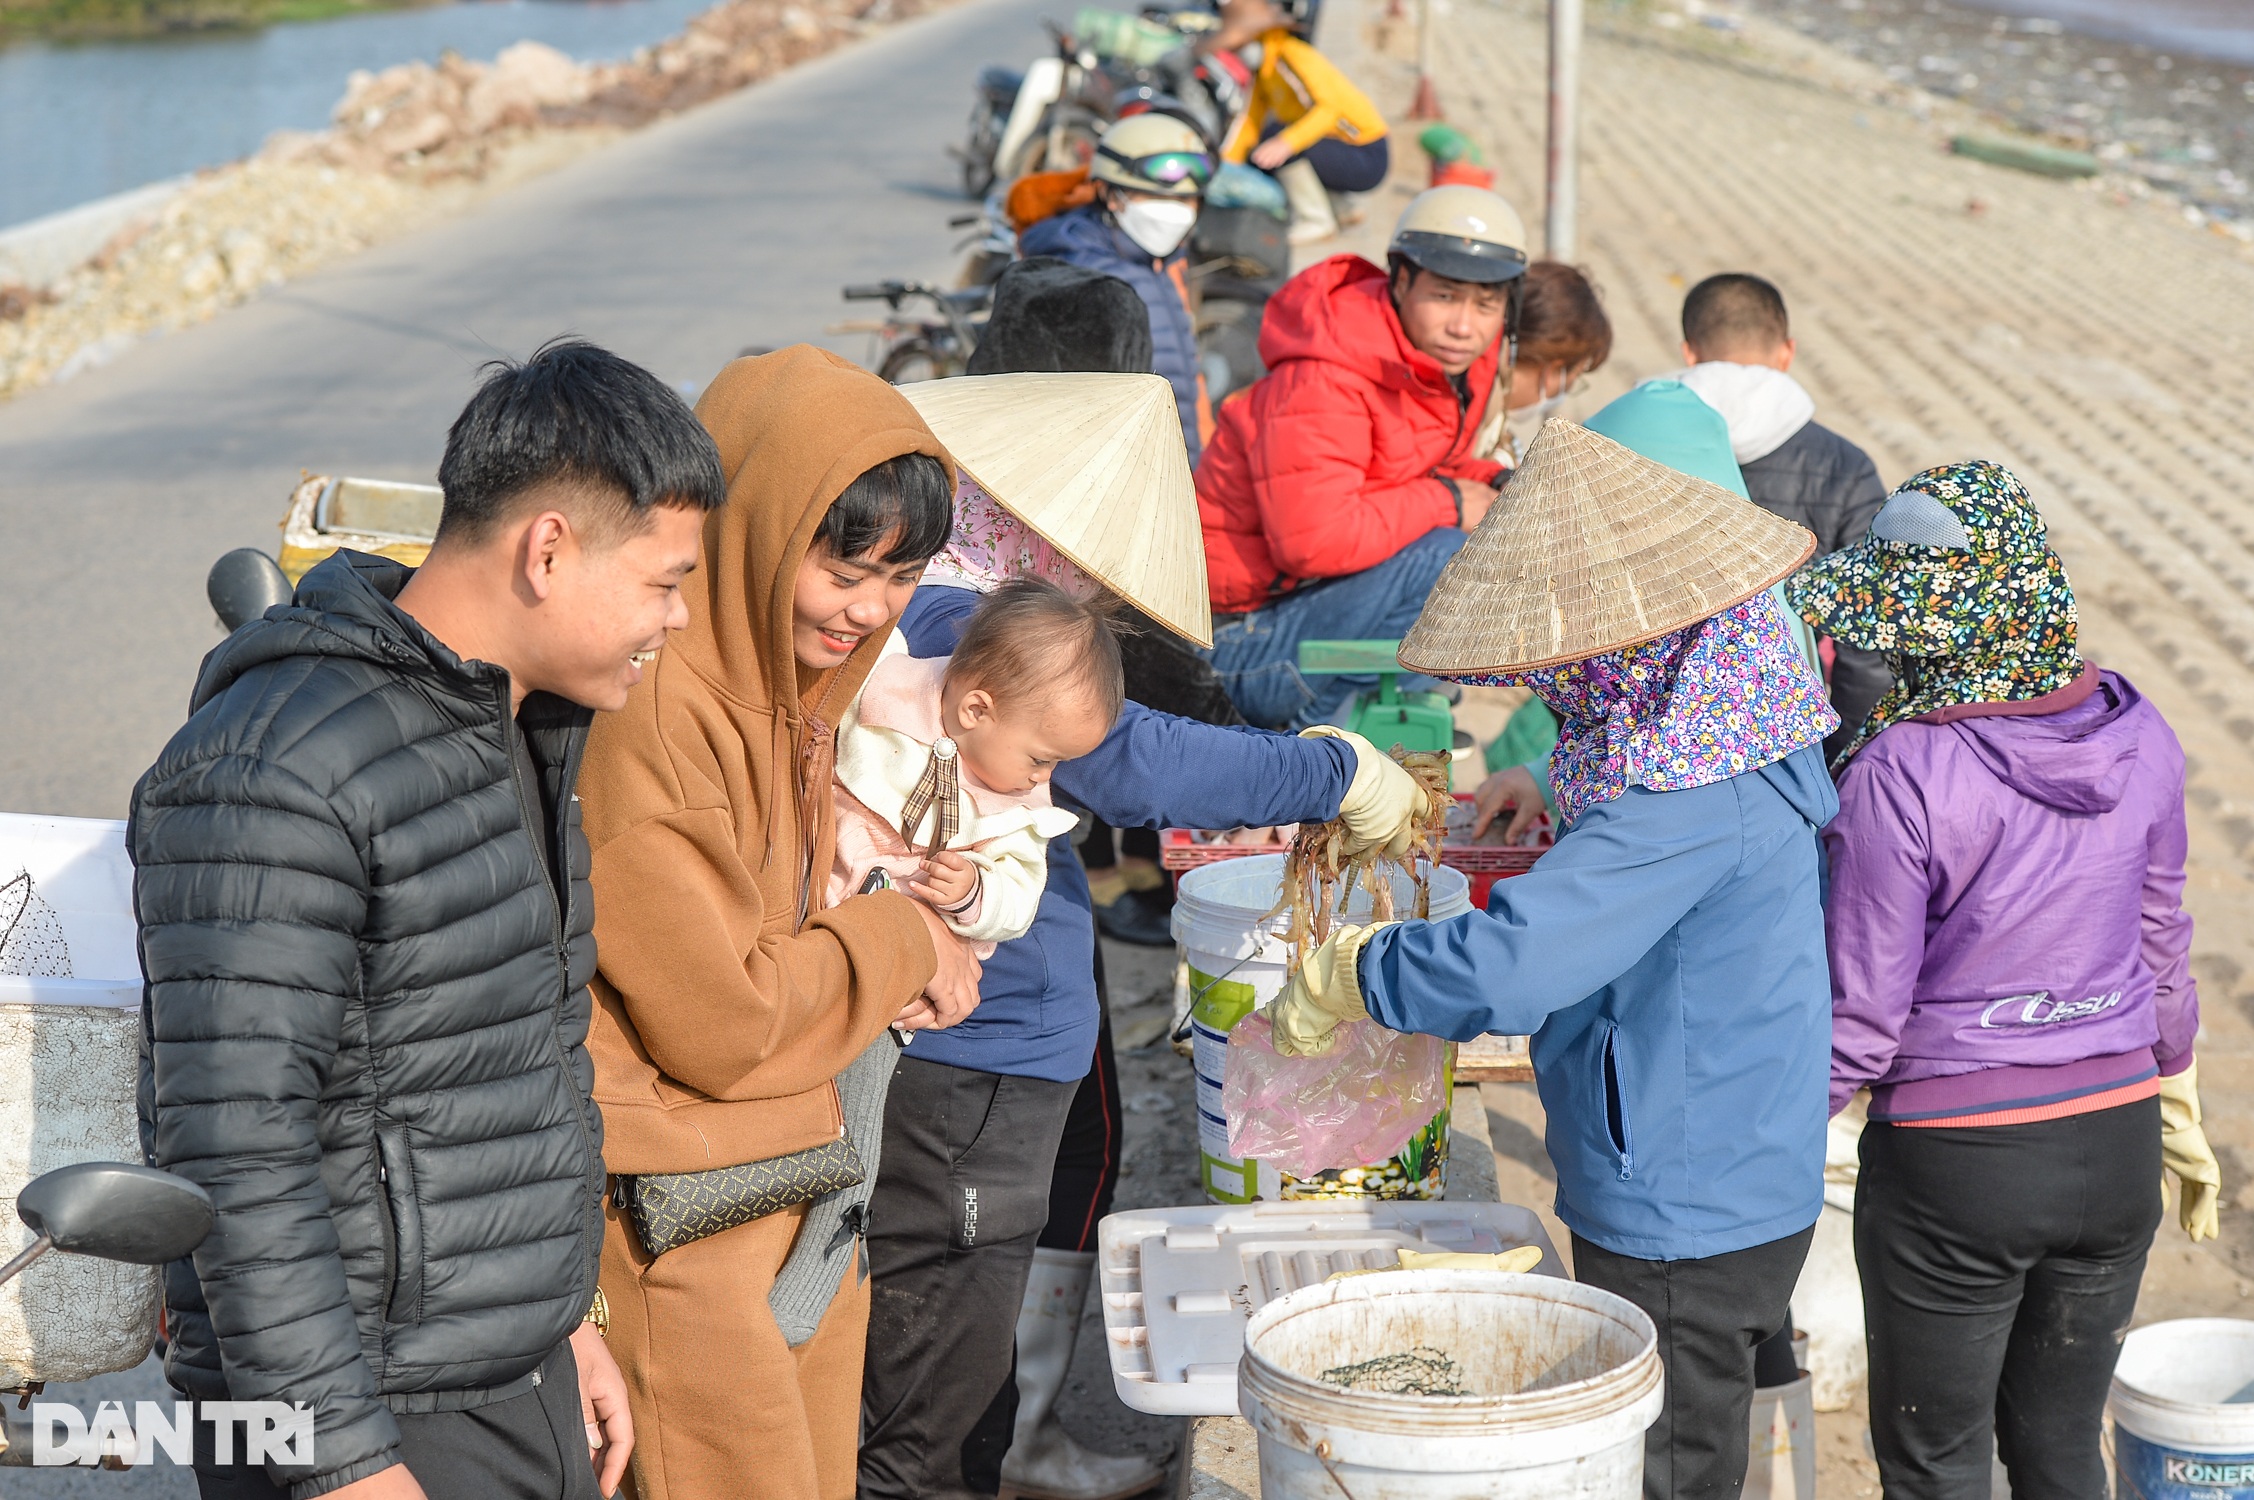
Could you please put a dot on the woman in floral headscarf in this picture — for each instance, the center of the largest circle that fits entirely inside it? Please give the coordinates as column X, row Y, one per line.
column 2009, row 978
column 1666, row 957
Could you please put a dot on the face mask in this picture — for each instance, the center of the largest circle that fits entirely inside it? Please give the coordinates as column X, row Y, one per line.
column 1540, row 412
column 1158, row 225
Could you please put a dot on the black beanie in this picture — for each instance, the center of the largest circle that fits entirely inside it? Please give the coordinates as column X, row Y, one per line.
column 1051, row 317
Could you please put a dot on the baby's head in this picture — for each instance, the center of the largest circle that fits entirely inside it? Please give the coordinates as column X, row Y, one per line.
column 1034, row 680
column 1739, row 319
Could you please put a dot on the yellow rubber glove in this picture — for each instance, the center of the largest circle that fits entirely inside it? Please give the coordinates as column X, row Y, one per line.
column 1525, row 1258
column 1323, row 993
column 1383, row 803
column 2185, row 1152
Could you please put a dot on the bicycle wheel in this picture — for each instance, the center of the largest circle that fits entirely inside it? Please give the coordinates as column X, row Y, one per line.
column 916, row 359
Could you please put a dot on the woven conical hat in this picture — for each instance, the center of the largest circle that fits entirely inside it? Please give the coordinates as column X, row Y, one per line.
column 1592, row 547
column 1097, row 466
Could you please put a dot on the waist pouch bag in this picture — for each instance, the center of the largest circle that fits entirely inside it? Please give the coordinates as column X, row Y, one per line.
column 671, row 1209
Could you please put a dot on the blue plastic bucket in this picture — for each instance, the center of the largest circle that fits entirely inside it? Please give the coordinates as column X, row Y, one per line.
column 2183, row 1411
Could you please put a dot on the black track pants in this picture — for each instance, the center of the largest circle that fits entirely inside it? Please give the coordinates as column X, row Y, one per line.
column 529, row 1447
column 2000, row 1266
column 1712, row 1314
column 961, row 1196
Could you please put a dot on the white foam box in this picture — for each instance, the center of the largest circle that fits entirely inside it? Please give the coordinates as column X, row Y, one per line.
column 69, row 1067
column 1179, row 1283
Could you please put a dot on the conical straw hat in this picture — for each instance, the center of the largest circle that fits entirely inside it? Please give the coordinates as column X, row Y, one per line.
column 1592, row 547
column 1097, row 466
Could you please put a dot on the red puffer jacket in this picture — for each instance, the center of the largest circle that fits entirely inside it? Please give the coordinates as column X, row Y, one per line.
column 1329, row 464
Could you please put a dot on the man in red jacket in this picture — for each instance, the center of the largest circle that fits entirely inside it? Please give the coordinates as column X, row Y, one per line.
column 1338, row 485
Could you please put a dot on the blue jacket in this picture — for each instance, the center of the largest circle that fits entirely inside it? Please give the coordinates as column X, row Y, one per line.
column 1668, row 959
column 1086, row 237
column 1037, row 1013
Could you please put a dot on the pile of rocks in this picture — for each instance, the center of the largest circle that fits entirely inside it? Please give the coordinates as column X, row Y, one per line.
column 449, row 117
column 409, row 144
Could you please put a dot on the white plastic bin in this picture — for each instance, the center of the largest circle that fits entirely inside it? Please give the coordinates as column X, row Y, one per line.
column 69, row 1065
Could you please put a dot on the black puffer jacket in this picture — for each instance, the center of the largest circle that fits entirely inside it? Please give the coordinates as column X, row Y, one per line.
column 365, row 1021
column 1827, row 484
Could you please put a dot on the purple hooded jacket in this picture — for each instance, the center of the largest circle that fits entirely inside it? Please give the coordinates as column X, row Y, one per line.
column 2005, row 917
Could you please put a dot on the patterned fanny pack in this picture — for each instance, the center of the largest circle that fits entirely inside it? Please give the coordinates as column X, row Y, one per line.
column 671, row 1209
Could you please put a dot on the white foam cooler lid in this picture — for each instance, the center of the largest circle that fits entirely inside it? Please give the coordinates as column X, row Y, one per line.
column 80, row 868
column 1179, row 1283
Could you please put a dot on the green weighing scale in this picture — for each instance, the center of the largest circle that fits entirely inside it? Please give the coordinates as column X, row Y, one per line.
column 1387, row 717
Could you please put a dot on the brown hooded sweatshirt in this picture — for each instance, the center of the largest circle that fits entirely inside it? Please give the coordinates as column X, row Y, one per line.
column 727, row 998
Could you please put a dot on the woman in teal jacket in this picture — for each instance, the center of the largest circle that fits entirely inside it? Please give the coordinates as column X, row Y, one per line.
column 1667, row 956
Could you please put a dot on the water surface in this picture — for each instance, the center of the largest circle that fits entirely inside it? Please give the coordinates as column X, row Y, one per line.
column 82, row 121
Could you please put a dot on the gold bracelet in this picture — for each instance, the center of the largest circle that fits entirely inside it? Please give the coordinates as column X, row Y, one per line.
column 598, row 1313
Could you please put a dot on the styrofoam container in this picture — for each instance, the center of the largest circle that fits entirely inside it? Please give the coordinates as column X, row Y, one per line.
column 1178, row 1283
column 1232, row 939
column 69, row 1066
column 1564, row 1380
column 2183, row 1411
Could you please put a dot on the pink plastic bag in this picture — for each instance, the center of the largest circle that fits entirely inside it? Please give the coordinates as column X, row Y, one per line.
column 1356, row 1104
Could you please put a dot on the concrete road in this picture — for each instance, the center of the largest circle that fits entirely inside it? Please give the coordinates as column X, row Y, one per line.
column 730, row 226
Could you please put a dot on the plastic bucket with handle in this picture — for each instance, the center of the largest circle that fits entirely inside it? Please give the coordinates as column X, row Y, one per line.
column 1237, row 961
column 2183, row 1411
column 1560, row 1379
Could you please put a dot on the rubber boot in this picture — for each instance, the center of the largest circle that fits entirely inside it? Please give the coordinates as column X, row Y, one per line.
column 1044, row 1463
column 1311, row 216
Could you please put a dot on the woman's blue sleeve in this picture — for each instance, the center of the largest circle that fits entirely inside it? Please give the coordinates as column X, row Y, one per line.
column 1156, row 771
column 1583, row 916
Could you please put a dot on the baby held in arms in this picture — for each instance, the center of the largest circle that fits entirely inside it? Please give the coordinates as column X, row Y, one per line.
column 943, row 763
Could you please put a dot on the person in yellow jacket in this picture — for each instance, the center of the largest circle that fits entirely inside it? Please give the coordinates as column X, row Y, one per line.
column 1307, row 124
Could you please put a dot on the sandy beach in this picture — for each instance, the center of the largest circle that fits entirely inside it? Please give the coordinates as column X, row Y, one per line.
column 2179, row 121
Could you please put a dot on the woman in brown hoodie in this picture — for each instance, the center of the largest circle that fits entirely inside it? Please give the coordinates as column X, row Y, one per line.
column 728, row 1000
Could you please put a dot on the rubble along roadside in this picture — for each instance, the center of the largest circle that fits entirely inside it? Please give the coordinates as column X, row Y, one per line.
column 408, row 145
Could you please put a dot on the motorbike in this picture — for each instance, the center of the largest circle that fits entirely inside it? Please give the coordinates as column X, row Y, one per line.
column 1048, row 116
column 909, row 347
column 110, row 1211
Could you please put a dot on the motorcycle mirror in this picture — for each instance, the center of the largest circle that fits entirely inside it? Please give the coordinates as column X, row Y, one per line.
column 244, row 584
column 112, row 1211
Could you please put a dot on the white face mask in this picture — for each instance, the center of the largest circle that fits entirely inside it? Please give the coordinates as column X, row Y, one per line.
column 1540, row 412
column 1158, row 225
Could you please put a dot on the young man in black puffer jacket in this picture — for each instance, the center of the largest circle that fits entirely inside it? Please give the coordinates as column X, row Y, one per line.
column 367, row 934
column 1737, row 339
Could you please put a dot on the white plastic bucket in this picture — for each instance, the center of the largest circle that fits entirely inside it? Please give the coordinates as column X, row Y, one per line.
column 1237, row 960
column 2183, row 1411
column 1566, row 1377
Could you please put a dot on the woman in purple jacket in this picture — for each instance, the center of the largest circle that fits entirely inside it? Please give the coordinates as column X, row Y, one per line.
column 2009, row 979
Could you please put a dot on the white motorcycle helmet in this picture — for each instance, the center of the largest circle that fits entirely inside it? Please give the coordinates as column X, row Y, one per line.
column 1463, row 233
column 1153, row 153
